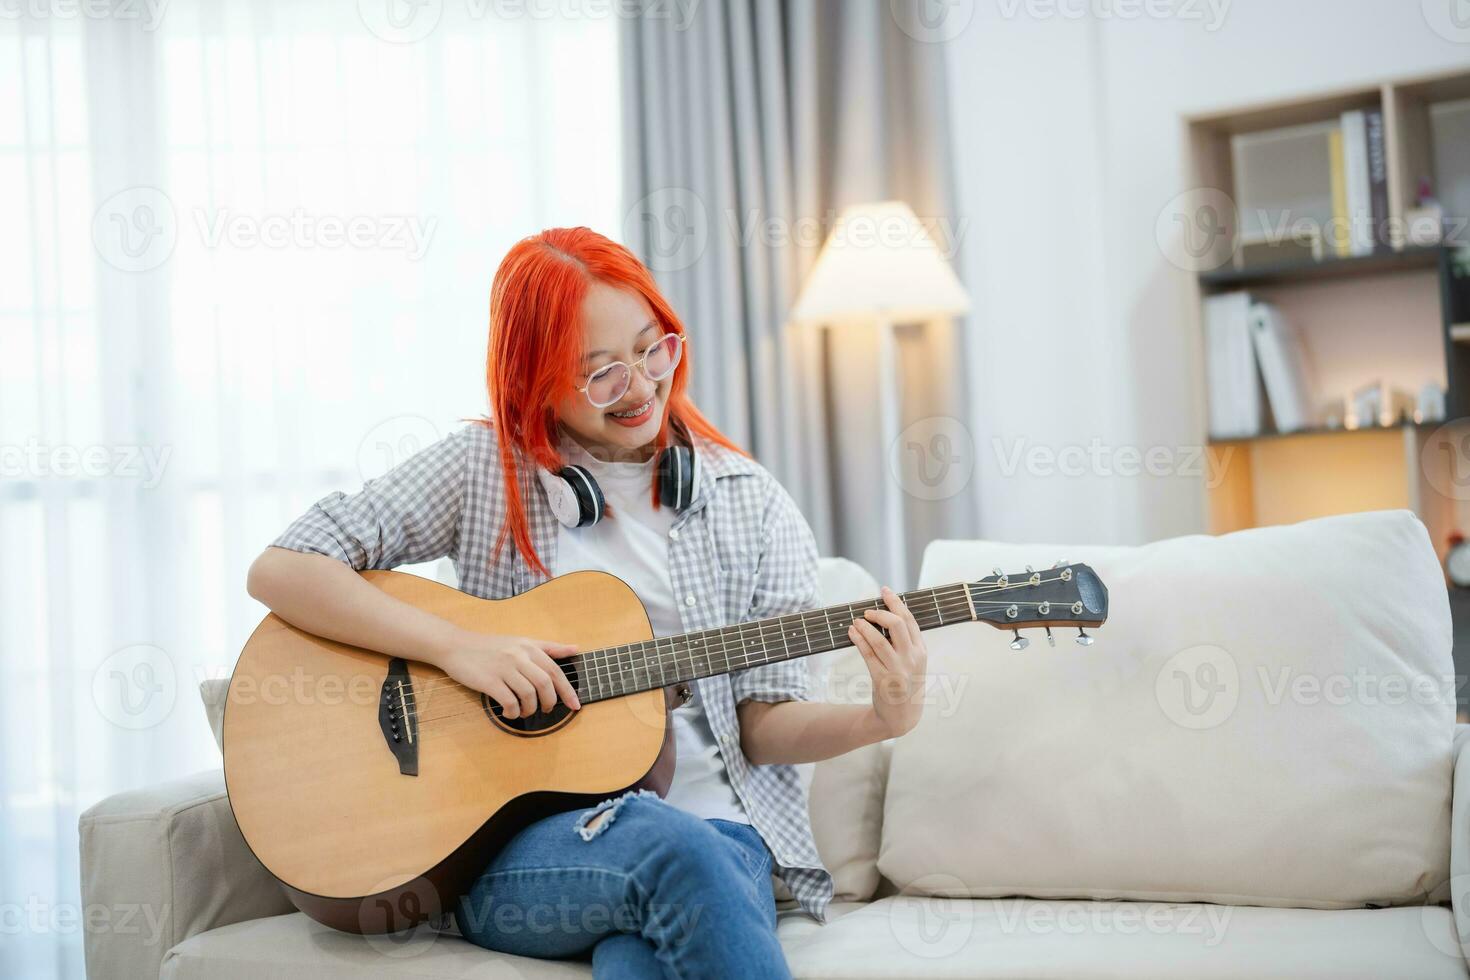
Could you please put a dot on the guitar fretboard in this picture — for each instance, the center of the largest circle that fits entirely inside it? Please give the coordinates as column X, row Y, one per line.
column 617, row 671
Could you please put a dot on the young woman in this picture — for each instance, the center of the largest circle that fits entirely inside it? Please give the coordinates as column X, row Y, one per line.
column 588, row 365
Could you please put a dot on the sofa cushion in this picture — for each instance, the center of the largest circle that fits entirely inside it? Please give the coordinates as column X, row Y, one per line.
column 1266, row 719
column 909, row 936
column 293, row 947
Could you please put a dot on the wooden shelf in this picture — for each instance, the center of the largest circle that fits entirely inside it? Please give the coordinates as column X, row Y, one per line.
column 1398, row 426
column 1278, row 273
column 1323, row 430
column 1396, row 317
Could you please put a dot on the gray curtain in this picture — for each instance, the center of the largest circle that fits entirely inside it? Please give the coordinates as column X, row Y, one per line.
column 749, row 126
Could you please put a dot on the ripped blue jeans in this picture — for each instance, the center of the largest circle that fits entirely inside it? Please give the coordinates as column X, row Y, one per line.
column 647, row 889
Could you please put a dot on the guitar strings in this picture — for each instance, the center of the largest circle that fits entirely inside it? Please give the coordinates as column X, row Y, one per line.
column 624, row 656
column 597, row 661
column 634, row 676
column 611, row 675
column 471, row 701
column 618, row 662
column 625, row 665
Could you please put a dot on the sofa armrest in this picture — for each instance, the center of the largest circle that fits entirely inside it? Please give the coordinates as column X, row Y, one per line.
column 161, row 864
column 1459, row 883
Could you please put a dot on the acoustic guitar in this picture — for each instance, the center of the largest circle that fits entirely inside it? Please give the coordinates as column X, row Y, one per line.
column 377, row 788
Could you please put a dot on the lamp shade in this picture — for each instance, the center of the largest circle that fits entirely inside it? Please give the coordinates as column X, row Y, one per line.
column 879, row 259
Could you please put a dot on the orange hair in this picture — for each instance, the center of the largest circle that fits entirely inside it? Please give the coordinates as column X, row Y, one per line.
column 536, row 348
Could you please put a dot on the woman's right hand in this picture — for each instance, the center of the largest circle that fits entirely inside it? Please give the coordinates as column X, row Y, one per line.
column 518, row 673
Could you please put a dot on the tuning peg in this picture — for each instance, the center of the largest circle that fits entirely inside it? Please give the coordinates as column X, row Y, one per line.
column 1020, row 642
column 1082, row 638
column 1050, row 640
column 1029, row 569
column 996, row 571
column 1059, row 563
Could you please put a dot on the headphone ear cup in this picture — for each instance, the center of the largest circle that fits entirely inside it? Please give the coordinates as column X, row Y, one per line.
column 574, row 496
column 590, row 502
column 678, row 475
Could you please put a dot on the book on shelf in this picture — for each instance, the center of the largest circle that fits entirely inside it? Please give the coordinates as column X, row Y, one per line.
column 1285, row 369
column 1340, row 240
column 1255, row 358
column 1378, row 179
column 1365, row 175
column 1359, row 190
column 1234, row 394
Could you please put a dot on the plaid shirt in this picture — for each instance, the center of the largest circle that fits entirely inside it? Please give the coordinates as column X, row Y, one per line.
column 740, row 551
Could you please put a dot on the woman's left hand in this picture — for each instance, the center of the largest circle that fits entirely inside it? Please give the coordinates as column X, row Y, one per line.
column 897, row 663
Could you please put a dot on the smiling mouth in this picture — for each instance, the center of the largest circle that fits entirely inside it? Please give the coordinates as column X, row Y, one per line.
column 634, row 413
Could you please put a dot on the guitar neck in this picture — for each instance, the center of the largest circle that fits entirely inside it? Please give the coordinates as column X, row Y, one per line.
column 617, row 671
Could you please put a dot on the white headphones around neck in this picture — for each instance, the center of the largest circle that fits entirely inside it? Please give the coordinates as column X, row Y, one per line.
column 577, row 500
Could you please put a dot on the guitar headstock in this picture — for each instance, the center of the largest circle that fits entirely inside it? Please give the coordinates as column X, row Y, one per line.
column 1063, row 595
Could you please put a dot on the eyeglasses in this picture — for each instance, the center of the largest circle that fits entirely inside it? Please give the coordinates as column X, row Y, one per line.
column 611, row 381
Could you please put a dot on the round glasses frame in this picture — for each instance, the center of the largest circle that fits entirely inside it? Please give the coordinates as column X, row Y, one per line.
column 641, row 364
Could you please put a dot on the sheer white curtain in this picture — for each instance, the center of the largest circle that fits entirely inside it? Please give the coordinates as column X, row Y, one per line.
column 245, row 251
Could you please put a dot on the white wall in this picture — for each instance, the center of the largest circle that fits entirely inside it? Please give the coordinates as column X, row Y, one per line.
column 1069, row 144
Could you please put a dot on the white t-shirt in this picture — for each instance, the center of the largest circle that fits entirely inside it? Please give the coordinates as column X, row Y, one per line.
column 633, row 545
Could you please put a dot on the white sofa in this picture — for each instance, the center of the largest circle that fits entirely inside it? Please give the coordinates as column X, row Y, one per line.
column 1254, row 771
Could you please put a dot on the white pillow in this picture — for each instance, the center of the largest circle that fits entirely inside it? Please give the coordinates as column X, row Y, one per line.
column 846, row 793
column 1266, row 719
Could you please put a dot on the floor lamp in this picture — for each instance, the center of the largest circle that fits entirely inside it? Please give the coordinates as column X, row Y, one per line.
column 879, row 266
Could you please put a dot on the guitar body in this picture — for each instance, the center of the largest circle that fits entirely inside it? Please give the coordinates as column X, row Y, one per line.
column 370, row 834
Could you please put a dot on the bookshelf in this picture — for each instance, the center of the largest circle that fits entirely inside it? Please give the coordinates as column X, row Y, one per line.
column 1387, row 316
column 1400, row 315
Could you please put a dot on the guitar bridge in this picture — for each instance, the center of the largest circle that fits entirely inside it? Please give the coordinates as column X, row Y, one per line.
column 398, row 717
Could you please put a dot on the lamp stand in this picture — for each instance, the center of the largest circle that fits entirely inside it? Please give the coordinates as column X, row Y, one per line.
column 890, row 408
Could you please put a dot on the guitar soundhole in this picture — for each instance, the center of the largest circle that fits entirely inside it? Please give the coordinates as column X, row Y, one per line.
column 540, row 723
